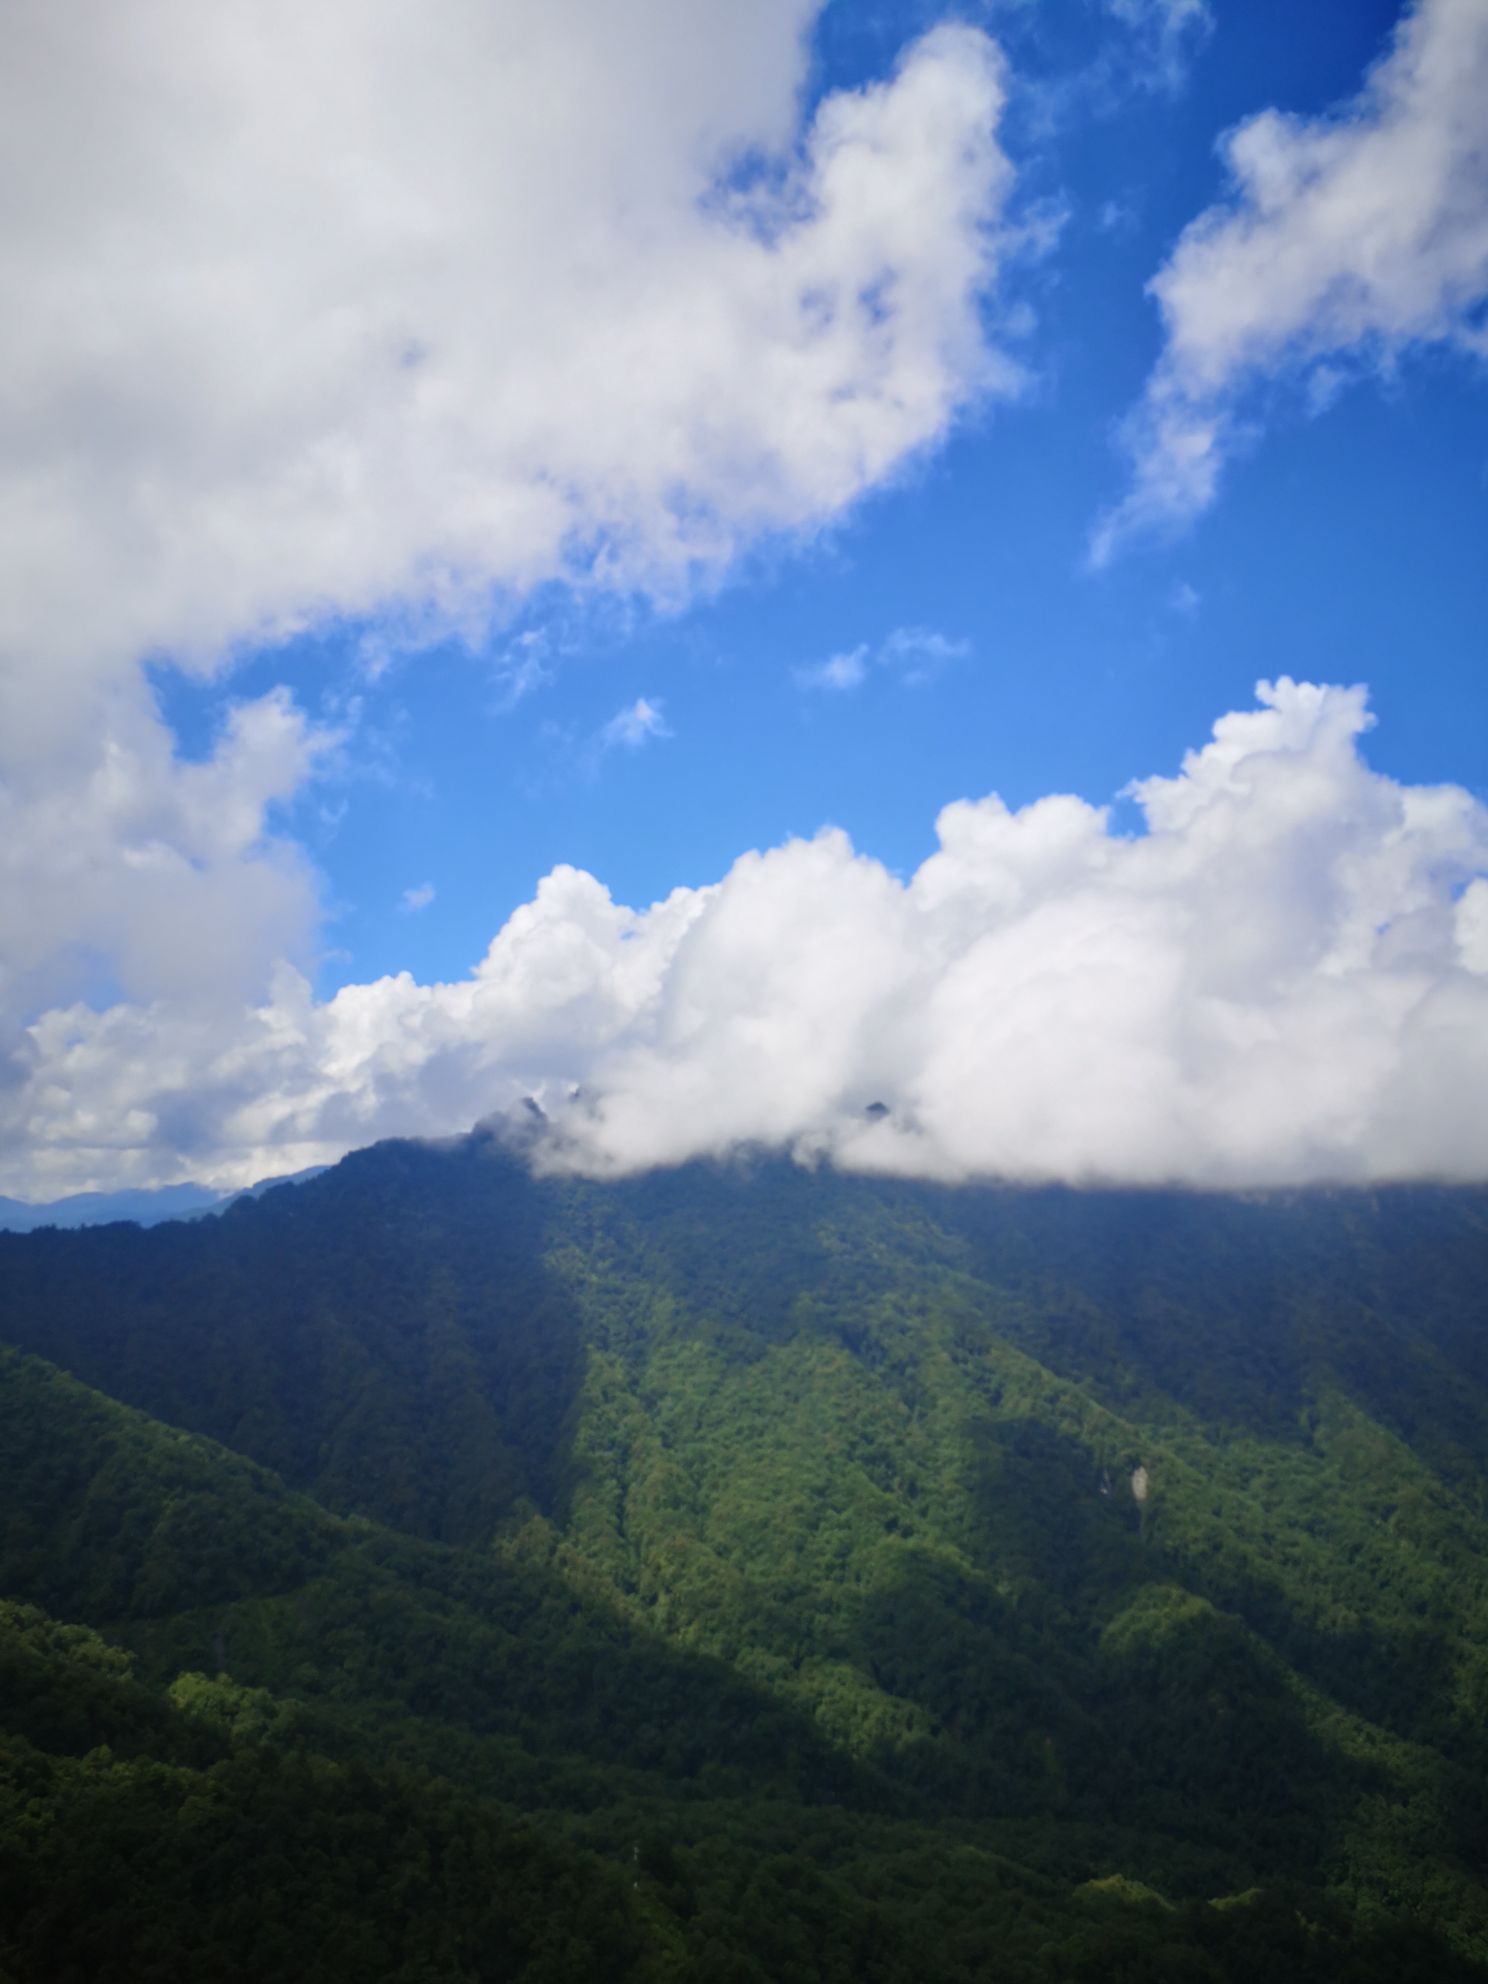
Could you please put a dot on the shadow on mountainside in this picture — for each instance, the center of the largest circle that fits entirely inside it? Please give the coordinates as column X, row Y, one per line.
column 386, row 1337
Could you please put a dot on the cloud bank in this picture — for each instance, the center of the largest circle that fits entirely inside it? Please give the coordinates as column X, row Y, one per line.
column 368, row 309
column 1284, row 979
column 340, row 306
column 1346, row 240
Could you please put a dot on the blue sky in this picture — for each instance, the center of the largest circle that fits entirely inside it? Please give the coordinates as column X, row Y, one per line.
column 928, row 624
column 1349, row 546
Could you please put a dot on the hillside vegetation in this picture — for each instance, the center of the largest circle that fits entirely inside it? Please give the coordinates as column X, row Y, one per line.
column 436, row 1572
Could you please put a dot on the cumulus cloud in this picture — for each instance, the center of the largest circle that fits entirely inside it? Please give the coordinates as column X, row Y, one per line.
column 1346, row 241
column 1283, row 979
column 339, row 306
column 124, row 867
column 363, row 309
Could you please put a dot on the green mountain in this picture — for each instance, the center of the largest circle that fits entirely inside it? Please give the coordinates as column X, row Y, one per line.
column 439, row 1571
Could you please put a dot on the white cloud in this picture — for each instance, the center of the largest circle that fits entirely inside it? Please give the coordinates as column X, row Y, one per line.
column 522, row 669
column 1284, row 979
column 919, row 653
column 1347, row 240
column 417, row 898
column 327, row 308
column 124, row 867
column 848, row 670
column 363, row 309
column 1166, row 33
column 1116, row 217
column 916, row 654
column 633, row 726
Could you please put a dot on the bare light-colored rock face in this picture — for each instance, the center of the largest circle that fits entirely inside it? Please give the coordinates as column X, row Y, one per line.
column 1139, row 1484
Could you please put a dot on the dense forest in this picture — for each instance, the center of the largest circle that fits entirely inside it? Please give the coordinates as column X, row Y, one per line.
column 435, row 1571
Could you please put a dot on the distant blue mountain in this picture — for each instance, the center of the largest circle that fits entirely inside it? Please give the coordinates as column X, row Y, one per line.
column 143, row 1208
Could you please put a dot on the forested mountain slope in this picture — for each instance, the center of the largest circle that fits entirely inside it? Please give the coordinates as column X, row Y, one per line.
column 813, row 1575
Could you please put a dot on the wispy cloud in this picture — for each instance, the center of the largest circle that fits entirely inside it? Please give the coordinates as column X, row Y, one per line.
column 417, row 898
column 635, row 725
column 1116, row 217
column 914, row 654
column 1150, row 50
column 1167, row 33
column 521, row 667
column 571, row 752
column 919, row 653
column 839, row 672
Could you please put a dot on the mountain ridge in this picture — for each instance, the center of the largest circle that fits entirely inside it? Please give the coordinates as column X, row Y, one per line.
column 794, row 1507
column 139, row 1205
